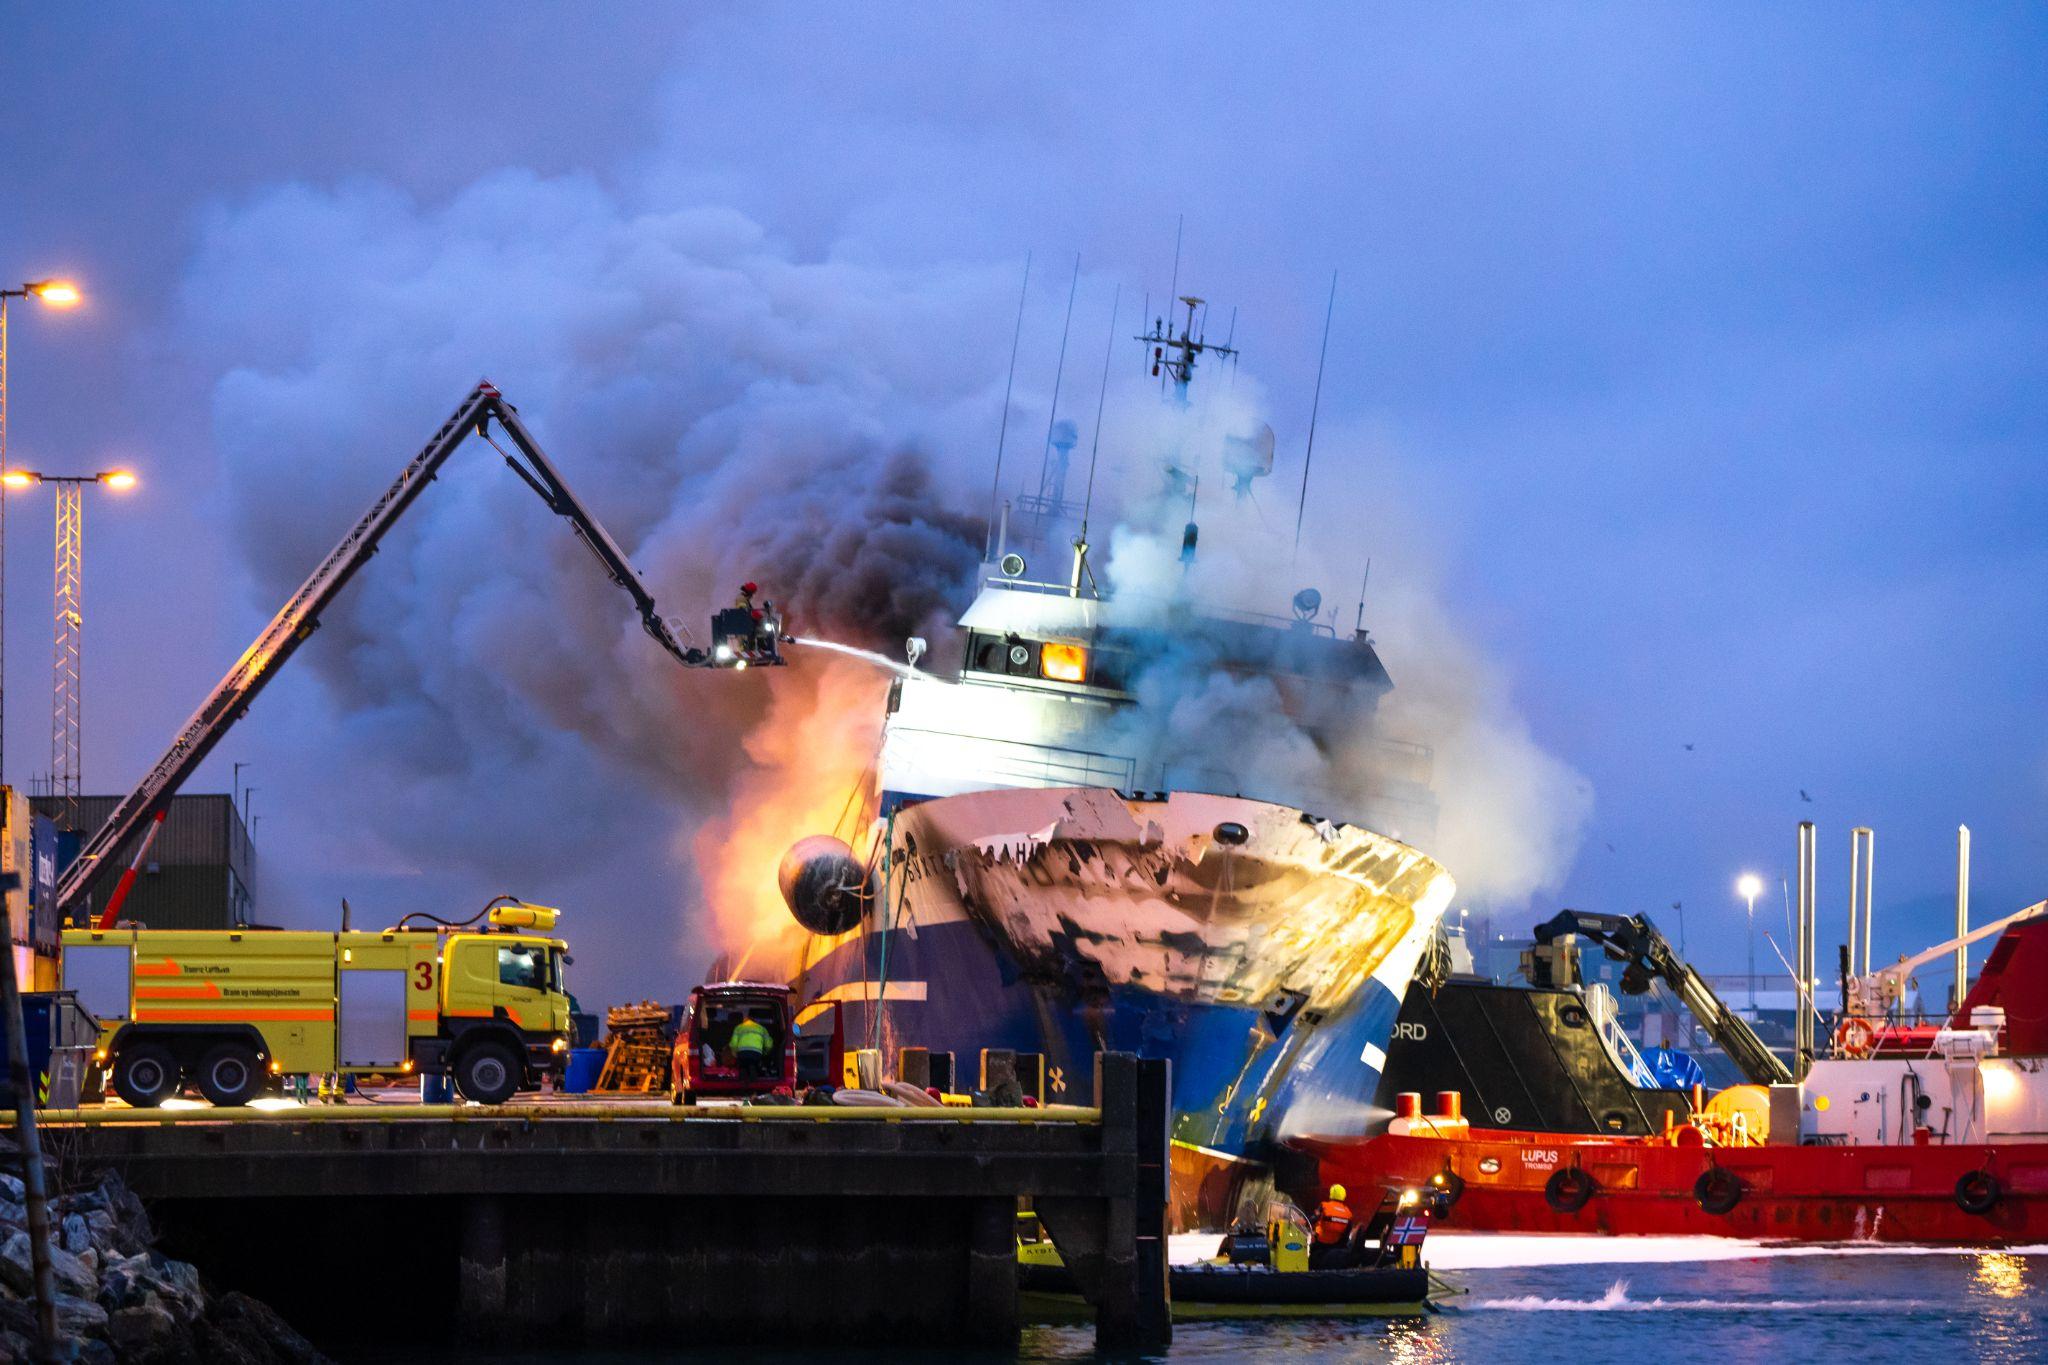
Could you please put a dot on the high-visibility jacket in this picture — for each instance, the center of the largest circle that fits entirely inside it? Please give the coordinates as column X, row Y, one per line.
column 1333, row 1223
column 749, row 1036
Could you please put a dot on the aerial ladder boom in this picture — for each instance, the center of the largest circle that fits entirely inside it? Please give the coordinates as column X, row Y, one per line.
column 300, row 617
column 1634, row 940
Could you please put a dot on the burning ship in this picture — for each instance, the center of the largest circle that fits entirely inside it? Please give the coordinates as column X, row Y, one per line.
column 1041, row 874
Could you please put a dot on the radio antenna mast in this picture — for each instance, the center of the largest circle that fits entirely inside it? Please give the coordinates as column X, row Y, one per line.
column 1052, row 418
column 1102, row 398
column 1315, row 408
column 1173, row 290
column 1002, row 432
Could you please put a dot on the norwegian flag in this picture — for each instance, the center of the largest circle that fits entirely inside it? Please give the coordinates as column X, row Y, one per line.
column 1408, row 1231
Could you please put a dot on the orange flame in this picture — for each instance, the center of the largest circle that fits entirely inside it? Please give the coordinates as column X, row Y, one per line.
column 811, row 757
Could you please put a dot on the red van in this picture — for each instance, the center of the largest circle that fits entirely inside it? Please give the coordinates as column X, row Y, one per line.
column 706, row 1067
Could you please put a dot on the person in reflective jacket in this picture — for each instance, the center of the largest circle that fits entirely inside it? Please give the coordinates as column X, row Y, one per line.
column 750, row 1046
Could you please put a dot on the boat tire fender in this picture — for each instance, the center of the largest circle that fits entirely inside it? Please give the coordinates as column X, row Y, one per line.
column 1978, row 1192
column 1718, row 1190
column 1451, row 1186
column 1568, row 1190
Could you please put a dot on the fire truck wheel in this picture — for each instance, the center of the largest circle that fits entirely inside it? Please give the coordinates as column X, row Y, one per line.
column 231, row 1074
column 1978, row 1192
column 1568, row 1190
column 1718, row 1190
column 145, row 1074
column 487, row 1073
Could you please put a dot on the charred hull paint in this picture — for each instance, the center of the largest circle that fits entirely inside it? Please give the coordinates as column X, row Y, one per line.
column 1263, row 951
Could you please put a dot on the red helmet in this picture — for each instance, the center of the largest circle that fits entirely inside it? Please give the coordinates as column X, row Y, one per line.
column 750, row 587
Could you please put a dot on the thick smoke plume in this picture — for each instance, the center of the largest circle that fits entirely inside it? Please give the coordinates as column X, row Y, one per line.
column 492, row 718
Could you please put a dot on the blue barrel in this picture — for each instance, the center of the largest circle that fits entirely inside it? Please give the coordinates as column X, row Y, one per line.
column 436, row 1089
column 585, row 1065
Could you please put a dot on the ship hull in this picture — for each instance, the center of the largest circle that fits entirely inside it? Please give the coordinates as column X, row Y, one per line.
column 1263, row 951
column 1889, row 1193
column 1522, row 1058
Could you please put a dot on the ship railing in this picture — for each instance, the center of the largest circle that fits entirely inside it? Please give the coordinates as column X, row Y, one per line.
column 1031, row 585
column 1141, row 603
column 1022, row 762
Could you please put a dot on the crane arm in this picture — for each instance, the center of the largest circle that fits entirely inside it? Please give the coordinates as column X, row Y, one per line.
column 540, row 475
column 300, row 617
column 1634, row 940
column 1874, row 995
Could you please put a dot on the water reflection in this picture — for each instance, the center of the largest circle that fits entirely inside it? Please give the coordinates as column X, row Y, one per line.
column 2002, row 1274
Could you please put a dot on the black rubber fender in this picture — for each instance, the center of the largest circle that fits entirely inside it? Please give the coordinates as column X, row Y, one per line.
column 1718, row 1190
column 1569, row 1189
column 1978, row 1192
column 1450, row 1185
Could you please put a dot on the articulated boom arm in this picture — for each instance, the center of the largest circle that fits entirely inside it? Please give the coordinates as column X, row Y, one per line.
column 300, row 617
column 1634, row 940
column 1875, row 996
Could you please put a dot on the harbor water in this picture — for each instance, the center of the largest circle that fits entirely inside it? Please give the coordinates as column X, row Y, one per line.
column 1555, row 1300
column 1798, row 1305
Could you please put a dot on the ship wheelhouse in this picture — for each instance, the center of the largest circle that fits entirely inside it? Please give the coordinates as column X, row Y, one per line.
column 1057, row 689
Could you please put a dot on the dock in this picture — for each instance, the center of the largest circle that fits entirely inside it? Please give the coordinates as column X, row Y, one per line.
column 609, row 1223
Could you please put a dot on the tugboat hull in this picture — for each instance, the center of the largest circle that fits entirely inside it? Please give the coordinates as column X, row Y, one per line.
column 1522, row 1182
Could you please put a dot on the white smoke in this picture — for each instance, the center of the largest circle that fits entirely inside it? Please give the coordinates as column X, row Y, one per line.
column 1510, row 815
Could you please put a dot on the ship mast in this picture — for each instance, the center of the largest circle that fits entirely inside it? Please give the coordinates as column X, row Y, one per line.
column 1174, row 356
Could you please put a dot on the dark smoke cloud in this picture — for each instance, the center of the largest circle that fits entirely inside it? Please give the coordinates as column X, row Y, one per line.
column 889, row 562
column 489, row 715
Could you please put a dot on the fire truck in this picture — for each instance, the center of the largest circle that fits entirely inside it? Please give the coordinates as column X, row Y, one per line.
column 230, row 1011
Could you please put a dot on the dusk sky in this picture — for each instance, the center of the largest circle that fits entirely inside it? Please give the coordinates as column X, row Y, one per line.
column 1690, row 360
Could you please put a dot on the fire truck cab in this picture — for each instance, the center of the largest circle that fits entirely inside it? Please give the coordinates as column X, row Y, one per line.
column 705, row 1063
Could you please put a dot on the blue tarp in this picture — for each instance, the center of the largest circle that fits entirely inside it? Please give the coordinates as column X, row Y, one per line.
column 1673, row 1069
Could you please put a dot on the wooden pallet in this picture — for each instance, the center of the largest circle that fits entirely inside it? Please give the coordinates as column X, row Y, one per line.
column 638, row 1051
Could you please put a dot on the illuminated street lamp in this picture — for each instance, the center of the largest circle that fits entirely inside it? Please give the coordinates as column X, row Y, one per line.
column 53, row 294
column 1749, row 886
column 67, row 695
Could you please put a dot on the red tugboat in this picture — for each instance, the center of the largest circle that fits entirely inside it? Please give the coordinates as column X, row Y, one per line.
column 1945, row 1142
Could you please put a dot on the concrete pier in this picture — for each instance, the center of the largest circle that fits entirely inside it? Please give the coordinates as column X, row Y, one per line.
column 583, row 1223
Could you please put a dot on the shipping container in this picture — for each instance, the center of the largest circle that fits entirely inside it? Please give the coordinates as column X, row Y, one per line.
column 200, row 873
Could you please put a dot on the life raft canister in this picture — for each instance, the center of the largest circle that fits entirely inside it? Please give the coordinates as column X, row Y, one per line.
column 1568, row 1189
column 1718, row 1190
column 1978, row 1192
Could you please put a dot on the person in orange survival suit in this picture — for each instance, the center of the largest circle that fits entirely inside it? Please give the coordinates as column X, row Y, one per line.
column 1331, row 1249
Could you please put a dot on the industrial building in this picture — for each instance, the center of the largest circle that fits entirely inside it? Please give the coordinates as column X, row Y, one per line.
column 200, row 873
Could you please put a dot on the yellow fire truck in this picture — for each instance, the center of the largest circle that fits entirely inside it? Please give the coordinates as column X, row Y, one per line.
column 227, row 1010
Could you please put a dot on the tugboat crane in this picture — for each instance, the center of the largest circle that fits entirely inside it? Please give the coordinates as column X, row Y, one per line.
column 300, row 617
column 1634, row 940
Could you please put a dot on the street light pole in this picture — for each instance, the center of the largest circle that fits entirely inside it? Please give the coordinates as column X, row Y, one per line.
column 54, row 294
column 57, row 294
column 1749, row 886
column 67, row 693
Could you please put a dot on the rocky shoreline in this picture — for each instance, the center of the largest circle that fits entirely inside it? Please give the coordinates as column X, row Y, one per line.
column 118, row 1298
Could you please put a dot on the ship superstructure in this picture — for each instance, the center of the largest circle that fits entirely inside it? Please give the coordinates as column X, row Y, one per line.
column 1065, row 860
